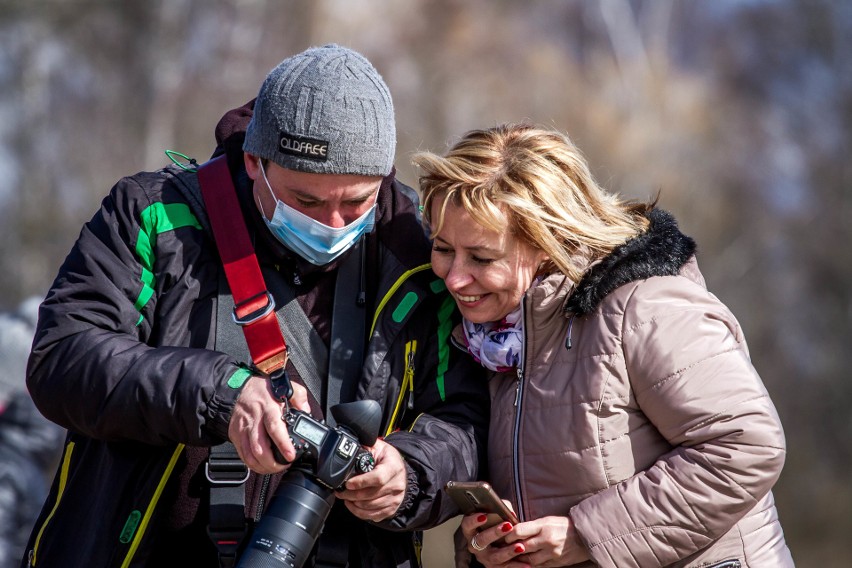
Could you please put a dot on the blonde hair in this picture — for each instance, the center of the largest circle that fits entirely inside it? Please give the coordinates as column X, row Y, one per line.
column 536, row 180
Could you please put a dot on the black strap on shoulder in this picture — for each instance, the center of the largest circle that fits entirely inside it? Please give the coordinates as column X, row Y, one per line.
column 227, row 475
column 346, row 358
column 225, row 472
column 348, row 328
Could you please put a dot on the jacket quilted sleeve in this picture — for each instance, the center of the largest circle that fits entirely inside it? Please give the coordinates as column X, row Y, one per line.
column 691, row 375
column 446, row 441
column 114, row 355
column 439, row 421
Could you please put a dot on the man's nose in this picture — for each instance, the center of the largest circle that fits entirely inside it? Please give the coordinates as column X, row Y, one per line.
column 332, row 217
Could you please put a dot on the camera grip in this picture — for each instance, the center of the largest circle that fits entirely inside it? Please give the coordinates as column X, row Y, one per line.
column 279, row 457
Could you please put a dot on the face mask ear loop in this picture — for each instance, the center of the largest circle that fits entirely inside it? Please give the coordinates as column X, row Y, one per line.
column 269, row 187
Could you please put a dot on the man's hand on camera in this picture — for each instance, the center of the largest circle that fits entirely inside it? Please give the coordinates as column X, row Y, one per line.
column 256, row 424
column 377, row 494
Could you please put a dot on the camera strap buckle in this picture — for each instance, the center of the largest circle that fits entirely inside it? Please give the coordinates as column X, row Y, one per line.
column 258, row 312
column 227, row 544
column 224, row 474
column 224, row 466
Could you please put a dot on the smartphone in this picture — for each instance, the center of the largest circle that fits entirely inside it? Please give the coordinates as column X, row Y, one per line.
column 479, row 497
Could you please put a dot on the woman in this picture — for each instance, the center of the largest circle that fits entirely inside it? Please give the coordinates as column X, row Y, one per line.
column 628, row 425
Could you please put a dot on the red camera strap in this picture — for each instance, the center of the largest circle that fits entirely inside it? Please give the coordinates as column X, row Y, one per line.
column 254, row 307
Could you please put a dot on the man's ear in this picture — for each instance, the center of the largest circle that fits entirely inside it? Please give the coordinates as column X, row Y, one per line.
column 252, row 165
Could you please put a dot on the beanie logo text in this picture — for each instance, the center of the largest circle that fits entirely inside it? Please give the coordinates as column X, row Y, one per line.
column 309, row 148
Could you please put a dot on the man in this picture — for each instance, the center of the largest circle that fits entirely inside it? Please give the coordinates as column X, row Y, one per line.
column 134, row 356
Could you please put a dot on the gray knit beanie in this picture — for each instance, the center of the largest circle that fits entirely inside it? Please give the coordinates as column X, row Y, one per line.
column 326, row 110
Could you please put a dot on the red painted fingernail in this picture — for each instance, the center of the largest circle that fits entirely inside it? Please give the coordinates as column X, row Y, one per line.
column 519, row 548
column 481, row 518
column 506, row 527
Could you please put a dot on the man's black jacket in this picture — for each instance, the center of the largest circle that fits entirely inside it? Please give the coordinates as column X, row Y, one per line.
column 124, row 359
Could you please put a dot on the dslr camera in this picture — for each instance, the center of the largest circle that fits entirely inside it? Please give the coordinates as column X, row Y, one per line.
column 326, row 457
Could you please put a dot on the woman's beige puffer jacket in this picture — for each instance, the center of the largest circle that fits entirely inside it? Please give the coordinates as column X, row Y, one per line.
column 639, row 414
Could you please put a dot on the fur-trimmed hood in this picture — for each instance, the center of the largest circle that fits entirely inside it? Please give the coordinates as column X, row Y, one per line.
column 662, row 250
column 656, row 384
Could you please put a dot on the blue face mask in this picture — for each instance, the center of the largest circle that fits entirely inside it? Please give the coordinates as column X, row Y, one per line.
column 317, row 243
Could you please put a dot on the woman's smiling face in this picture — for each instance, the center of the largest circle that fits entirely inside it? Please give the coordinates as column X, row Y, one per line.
column 486, row 271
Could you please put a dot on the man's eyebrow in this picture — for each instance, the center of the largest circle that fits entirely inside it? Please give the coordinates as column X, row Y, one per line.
column 365, row 195
column 308, row 196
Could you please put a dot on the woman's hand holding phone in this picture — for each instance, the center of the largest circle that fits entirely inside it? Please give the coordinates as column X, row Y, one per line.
column 479, row 497
column 488, row 519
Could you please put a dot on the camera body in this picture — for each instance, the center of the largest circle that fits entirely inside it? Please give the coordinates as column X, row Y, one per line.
column 332, row 454
column 326, row 456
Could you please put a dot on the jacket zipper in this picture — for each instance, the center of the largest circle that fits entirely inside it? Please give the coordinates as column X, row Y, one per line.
column 516, row 433
column 261, row 499
column 406, row 389
column 726, row 564
column 409, row 372
column 63, row 479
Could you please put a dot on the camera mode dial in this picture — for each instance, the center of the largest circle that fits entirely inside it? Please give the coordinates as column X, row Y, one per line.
column 365, row 462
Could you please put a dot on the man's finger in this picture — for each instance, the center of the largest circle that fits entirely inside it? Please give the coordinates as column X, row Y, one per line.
column 299, row 400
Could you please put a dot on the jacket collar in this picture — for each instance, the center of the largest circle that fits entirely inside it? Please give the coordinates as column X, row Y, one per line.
column 662, row 250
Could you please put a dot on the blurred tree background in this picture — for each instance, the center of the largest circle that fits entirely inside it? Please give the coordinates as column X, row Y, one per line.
column 739, row 112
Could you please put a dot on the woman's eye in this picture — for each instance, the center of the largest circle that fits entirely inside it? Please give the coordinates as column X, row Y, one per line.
column 480, row 260
column 440, row 249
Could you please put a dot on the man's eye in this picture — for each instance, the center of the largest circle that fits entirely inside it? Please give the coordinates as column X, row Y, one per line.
column 305, row 203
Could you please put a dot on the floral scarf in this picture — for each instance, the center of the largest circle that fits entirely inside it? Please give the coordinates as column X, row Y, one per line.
column 496, row 345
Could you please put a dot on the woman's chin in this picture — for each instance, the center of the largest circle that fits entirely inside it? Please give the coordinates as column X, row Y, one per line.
column 474, row 315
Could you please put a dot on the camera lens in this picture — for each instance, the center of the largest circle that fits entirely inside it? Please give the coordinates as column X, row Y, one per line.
column 290, row 526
